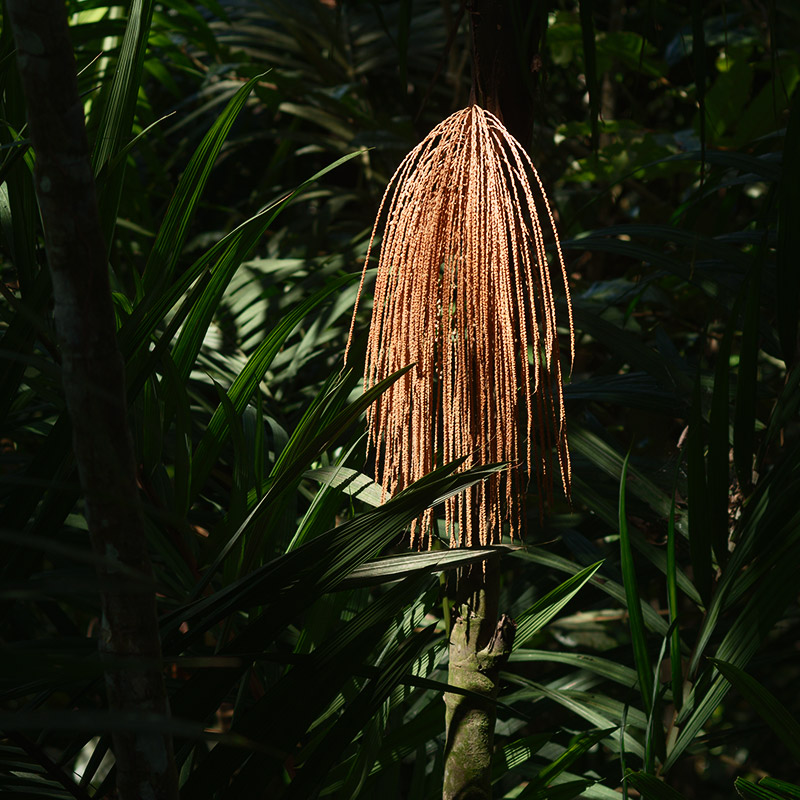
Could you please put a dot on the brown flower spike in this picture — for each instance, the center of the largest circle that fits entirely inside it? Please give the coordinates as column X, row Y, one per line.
column 463, row 291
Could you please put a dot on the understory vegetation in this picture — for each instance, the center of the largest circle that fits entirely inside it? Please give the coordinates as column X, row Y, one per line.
column 240, row 152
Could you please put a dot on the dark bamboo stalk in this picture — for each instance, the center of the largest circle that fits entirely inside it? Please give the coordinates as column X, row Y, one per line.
column 94, row 387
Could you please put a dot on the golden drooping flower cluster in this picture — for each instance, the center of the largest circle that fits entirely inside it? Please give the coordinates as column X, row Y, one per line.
column 464, row 292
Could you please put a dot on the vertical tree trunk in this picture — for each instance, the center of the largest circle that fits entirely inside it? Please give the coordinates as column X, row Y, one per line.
column 94, row 386
column 479, row 643
column 479, row 646
column 505, row 69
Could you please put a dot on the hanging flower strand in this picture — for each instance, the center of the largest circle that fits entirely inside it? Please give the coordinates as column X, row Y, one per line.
column 463, row 291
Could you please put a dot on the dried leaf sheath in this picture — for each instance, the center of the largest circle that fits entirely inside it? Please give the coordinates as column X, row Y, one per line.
column 463, row 291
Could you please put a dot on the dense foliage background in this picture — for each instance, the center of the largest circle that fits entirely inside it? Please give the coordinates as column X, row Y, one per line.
column 240, row 151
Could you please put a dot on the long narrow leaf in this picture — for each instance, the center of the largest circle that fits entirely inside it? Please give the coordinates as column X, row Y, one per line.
column 119, row 110
column 753, row 791
column 604, row 667
column 612, row 588
column 356, row 715
column 644, row 667
column 245, row 384
column 541, row 612
column 676, row 664
column 600, row 710
column 773, row 712
column 291, row 583
column 741, row 641
column 652, row 788
column 516, row 753
column 294, row 470
column 175, row 227
column 283, row 715
column 120, row 103
column 392, row 568
column 580, row 745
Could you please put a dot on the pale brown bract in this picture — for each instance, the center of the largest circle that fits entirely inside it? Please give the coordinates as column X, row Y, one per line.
column 464, row 292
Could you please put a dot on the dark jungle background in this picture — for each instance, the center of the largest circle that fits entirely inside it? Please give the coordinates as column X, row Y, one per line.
column 248, row 145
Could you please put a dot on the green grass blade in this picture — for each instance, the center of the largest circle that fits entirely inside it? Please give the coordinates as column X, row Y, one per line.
column 562, row 791
column 293, row 582
column 259, row 446
column 628, row 346
column 148, row 315
column 608, row 510
column 656, row 258
column 149, row 432
column 119, row 109
column 190, row 339
column 283, row 715
column 714, row 250
column 772, row 511
column 237, row 501
column 326, row 560
column 605, row 458
column 327, row 501
column 350, row 481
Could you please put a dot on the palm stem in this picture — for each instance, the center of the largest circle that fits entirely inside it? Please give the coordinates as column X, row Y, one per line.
column 479, row 646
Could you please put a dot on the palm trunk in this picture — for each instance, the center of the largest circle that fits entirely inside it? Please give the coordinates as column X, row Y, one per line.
column 94, row 386
column 479, row 643
column 505, row 70
column 479, row 646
